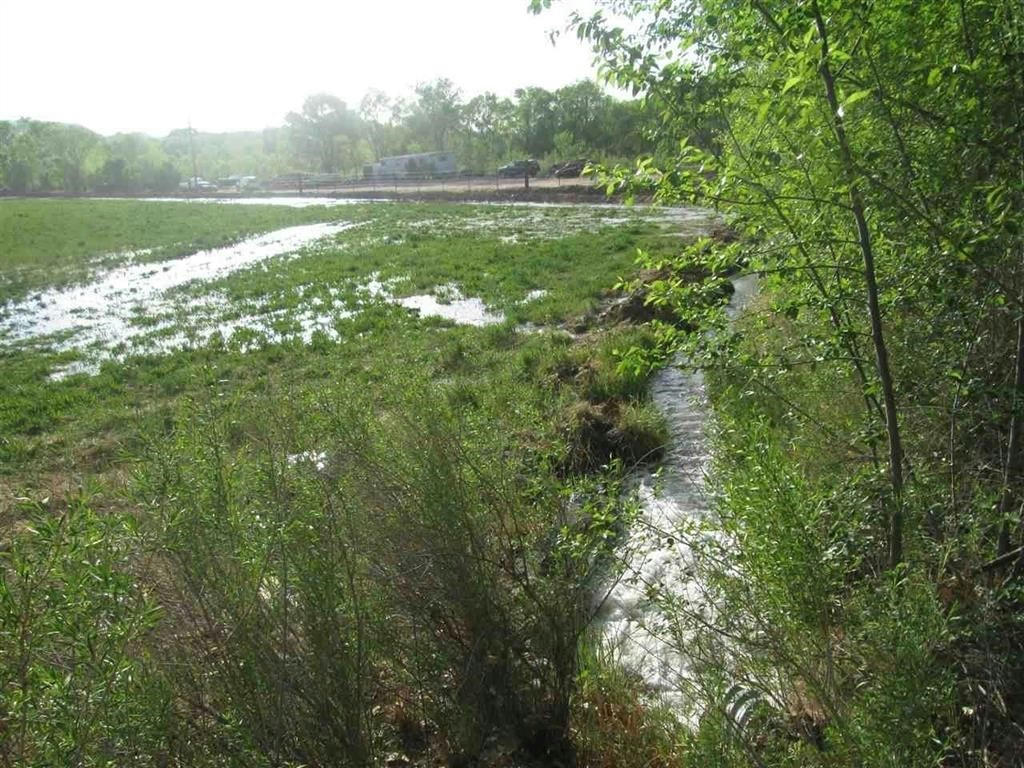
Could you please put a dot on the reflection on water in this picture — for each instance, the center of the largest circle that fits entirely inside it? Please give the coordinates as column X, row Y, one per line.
column 134, row 305
column 136, row 309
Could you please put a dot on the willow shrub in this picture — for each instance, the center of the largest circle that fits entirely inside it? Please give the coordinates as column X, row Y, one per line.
column 867, row 156
column 362, row 571
column 76, row 687
column 809, row 657
column 486, row 563
column 274, row 639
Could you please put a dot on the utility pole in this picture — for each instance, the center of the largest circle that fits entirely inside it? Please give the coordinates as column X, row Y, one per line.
column 193, row 182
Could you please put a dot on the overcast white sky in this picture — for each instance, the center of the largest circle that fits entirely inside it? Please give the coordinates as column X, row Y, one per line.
column 140, row 65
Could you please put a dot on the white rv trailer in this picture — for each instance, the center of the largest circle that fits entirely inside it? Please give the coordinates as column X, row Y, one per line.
column 412, row 166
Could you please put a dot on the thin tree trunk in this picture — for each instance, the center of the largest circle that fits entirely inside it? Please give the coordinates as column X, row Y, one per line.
column 1012, row 468
column 1014, row 462
column 874, row 312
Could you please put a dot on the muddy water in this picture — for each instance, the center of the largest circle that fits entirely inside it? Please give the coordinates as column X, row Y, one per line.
column 103, row 313
column 657, row 559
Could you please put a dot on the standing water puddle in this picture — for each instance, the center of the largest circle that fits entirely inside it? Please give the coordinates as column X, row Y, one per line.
column 101, row 313
column 446, row 302
column 657, row 558
column 471, row 311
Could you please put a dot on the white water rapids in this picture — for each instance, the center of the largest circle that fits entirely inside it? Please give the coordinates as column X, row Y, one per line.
column 657, row 558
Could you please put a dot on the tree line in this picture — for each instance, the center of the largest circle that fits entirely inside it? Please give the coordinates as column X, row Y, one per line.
column 329, row 136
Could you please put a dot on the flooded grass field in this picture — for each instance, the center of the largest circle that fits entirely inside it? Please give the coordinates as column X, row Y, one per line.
column 116, row 312
column 455, row 368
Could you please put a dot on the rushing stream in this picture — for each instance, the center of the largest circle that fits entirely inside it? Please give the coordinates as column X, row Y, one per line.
column 656, row 556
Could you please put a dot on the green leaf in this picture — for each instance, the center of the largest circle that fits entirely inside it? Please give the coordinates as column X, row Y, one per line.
column 856, row 96
column 934, row 76
column 793, row 81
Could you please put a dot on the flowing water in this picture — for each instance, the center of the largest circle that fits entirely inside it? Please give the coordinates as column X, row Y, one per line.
column 657, row 559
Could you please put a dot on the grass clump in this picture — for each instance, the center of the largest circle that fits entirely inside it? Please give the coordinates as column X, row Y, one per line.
column 617, row 723
column 607, row 415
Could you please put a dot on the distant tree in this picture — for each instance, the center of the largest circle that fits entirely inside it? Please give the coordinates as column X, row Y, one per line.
column 318, row 130
column 437, row 112
column 485, row 131
column 537, row 121
column 76, row 150
column 270, row 141
column 175, row 144
column 581, row 108
column 138, row 163
column 377, row 111
column 488, row 123
column 6, row 136
column 24, row 161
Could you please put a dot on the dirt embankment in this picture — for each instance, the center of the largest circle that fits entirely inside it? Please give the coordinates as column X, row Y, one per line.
column 565, row 194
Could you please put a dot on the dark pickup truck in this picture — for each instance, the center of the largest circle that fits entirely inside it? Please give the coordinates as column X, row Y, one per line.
column 571, row 170
column 520, row 168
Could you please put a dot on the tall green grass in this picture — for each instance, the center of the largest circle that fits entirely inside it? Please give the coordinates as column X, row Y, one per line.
column 420, row 587
column 47, row 242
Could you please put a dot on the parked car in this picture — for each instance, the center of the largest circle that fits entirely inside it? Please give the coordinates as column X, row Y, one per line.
column 572, row 169
column 197, row 183
column 237, row 183
column 520, row 168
